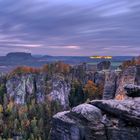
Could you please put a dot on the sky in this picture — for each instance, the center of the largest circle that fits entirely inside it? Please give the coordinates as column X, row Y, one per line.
column 70, row 27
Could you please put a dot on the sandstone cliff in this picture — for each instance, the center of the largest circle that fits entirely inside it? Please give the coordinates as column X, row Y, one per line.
column 99, row 120
column 26, row 86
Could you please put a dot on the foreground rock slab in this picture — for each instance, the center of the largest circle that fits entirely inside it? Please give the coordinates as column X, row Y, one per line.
column 99, row 120
column 128, row 110
column 82, row 123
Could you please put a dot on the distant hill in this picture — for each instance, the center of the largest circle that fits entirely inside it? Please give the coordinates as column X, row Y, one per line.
column 15, row 59
column 21, row 55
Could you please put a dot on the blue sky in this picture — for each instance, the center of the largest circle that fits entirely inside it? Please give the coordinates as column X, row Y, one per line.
column 70, row 27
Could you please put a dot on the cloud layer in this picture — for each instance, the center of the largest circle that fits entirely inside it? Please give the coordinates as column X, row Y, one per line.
column 68, row 27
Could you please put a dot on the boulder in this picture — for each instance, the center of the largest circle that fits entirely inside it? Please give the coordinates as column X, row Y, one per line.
column 89, row 112
column 127, row 77
column 128, row 110
column 77, row 125
column 132, row 90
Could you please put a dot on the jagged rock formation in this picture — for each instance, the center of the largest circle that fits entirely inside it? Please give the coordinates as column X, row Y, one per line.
column 127, row 77
column 27, row 86
column 109, row 120
column 40, row 87
column 36, row 85
column 99, row 78
column 60, row 91
column 137, row 79
column 137, row 60
column 110, row 85
column 104, row 65
column 111, row 82
column 99, row 120
column 19, row 86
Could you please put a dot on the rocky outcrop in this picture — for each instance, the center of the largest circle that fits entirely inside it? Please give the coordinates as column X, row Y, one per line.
column 137, row 60
column 99, row 78
column 26, row 86
column 18, row 87
column 127, row 77
column 104, row 65
column 99, row 120
column 88, row 112
column 128, row 110
column 40, row 87
column 130, row 76
column 132, row 90
column 82, row 123
column 110, row 85
column 137, row 79
column 60, row 91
